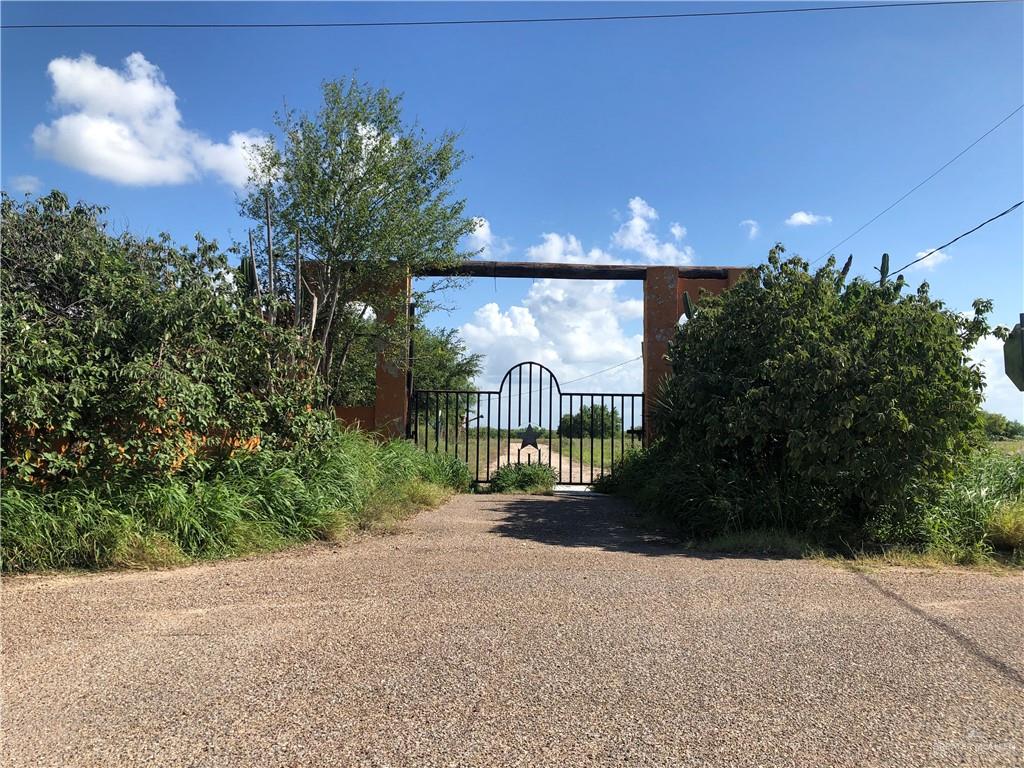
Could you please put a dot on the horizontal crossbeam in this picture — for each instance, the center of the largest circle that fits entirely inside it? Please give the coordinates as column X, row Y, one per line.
column 537, row 270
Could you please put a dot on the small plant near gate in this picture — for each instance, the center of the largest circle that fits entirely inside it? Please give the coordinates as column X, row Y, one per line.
column 525, row 478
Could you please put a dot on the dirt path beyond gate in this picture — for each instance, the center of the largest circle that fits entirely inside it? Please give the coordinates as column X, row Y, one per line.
column 513, row 631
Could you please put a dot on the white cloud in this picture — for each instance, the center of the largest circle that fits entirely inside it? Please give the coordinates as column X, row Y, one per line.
column 570, row 326
column 566, row 249
column 124, row 126
column 753, row 228
column 636, row 235
column 25, row 185
column 483, row 239
column 931, row 262
column 806, row 219
column 1001, row 396
column 575, row 327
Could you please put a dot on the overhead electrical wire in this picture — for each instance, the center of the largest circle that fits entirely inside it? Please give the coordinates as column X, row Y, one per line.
column 525, row 20
column 913, row 189
column 959, row 237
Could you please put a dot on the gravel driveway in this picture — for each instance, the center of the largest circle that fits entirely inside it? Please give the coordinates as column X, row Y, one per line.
column 503, row 631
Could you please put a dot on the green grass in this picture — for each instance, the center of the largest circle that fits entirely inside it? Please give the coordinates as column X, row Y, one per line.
column 525, row 478
column 260, row 503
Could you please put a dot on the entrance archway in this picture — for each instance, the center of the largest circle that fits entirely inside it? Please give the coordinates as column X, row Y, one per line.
column 663, row 289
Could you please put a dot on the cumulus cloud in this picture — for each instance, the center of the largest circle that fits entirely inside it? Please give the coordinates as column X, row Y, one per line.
column 25, row 185
column 570, row 326
column 483, row 239
column 1001, row 396
column 931, row 262
column 576, row 327
column 753, row 228
column 554, row 247
column 806, row 219
column 636, row 235
column 124, row 126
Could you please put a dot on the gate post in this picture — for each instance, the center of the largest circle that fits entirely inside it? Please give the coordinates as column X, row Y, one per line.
column 661, row 315
column 391, row 409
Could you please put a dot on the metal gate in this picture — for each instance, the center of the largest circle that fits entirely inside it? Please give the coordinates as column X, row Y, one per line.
column 529, row 420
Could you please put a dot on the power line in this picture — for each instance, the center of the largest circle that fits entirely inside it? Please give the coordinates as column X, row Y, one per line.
column 956, row 157
column 462, row 22
column 603, row 370
column 958, row 237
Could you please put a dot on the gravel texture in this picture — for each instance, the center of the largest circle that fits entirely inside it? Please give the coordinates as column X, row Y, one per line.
column 511, row 631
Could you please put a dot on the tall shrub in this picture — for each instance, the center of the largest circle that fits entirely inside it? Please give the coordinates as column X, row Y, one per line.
column 134, row 355
column 797, row 400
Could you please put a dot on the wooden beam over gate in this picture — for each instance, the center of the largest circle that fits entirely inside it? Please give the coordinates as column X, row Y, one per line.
column 537, row 270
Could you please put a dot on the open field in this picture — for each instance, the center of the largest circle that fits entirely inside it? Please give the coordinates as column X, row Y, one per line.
column 512, row 631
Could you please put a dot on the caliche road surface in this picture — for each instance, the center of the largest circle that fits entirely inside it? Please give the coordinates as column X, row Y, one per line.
column 508, row 631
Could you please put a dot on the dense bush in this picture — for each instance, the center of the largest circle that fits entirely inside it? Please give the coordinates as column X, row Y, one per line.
column 803, row 403
column 156, row 410
column 126, row 356
column 528, row 478
column 260, row 501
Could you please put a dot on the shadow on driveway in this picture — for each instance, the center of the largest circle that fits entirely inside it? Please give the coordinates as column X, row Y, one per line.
column 584, row 520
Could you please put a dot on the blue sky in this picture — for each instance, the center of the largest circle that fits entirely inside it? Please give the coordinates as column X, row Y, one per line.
column 588, row 141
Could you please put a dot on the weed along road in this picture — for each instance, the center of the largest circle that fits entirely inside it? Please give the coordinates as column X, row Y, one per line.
column 514, row 631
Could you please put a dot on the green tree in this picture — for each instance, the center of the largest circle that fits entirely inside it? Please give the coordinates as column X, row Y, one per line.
column 440, row 361
column 798, row 400
column 360, row 196
column 599, row 421
column 998, row 427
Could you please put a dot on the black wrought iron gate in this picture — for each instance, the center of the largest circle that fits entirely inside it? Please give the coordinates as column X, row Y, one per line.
column 529, row 420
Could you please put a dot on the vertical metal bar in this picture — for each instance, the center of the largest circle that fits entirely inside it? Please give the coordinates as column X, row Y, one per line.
column 497, row 438
column 529, row 395
column 551, row 396
column 467, row 427
column 415, row 435
column 622, row 431
column 486, row 471
column 520, row 399
column 446, row 422
column 643, row 427
column 612, row 465
column 604, row 413
column 591, row 438
column 632, row 421
column 508, row 437
column 559, row 422
column 476, row 475
column 572, row 429
column 437, row 422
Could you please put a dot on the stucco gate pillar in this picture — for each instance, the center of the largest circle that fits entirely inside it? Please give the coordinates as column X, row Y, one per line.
column 661, row 314
column 391, row 408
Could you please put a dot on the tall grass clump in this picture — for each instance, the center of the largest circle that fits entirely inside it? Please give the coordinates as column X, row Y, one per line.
column 981, row 510
column 258, row 502
column 527, row 478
